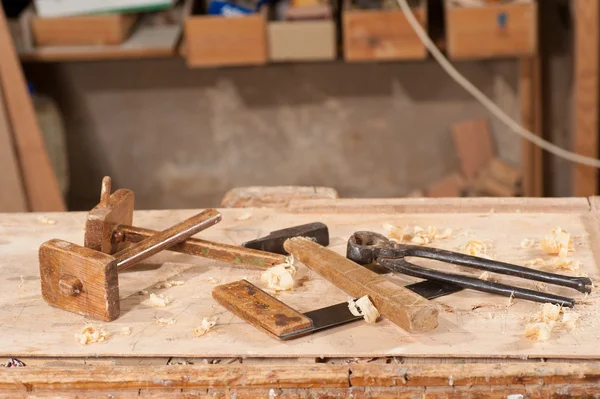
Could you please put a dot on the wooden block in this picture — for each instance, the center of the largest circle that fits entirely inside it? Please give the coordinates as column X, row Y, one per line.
column 450, row 186
column 498, row 30
column 403, row 307
column 260, row 309
column 382, row 35
column 62, row 264
column 474, row 146
column 105, row 29
column 221, row 41
column 488, row 186
column 504, row 173
column 41, row 186
column 301, row 40
column 12, row 195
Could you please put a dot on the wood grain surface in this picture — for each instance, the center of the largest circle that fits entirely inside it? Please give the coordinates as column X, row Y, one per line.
column 263, row 311
column 403, row 307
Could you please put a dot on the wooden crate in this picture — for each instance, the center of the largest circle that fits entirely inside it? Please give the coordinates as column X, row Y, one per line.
column 219, row 41
column 502, row 30
column 381, row 35
column 109, row 29
column 301, row 40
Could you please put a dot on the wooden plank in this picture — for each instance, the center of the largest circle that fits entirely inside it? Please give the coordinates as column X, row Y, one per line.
column 35, row 329
column 12, row 196
column 587, row 72
column 107, row 29
column 301, row 40
column 273, row 196
column 41, row 186
column 452, row 185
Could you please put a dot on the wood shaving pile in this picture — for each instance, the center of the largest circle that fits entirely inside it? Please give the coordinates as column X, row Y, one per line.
column 90, row 335
column 169, row 284
column 544, row 321
column 159, row 300
column 46, row 220
column 477, row 248
column 566, row 264
column 363, row 307
column 165, row 322
column 559, row 243
column 126, row 331
column 279, row 277
column 204, row 327
column 415, row 234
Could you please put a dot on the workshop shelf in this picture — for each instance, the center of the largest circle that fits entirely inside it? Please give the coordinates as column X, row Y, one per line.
column 494, row 30
column 382, row 35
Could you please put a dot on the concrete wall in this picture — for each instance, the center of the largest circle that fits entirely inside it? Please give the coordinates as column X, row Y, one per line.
column 182, row 137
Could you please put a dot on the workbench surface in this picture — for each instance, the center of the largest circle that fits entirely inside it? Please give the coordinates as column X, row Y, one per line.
column 472, row 324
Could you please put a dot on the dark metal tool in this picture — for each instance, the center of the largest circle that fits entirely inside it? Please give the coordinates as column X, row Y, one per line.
column 280, row 321
column 317, row 232
column 366, row 247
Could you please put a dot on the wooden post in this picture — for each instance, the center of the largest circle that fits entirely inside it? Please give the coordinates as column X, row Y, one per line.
column 531, row 116
column 585, row 133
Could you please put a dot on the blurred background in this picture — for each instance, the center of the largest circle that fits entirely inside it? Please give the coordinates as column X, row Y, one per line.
column 183, row 101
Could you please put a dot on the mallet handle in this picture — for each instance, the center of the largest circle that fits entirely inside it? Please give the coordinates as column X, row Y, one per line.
column 166, row 238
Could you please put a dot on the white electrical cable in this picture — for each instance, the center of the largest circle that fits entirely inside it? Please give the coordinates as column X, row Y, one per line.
column 485, row 101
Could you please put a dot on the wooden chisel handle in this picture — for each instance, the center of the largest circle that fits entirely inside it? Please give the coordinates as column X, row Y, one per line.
column 403, row 307
column 192, row 246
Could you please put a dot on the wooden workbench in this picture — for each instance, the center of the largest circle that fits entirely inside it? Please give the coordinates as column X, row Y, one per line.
column 479, row 347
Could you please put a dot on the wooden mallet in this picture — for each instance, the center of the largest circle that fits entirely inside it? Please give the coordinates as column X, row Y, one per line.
column 86, row 281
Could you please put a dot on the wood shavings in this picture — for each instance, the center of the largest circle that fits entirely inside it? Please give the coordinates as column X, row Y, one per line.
column 566, row 264
column 126, row 330
column 90, row 335
column 476, row 248
column 537, row 331
column 169, row 284
column 159, row 300
column 204, row 327
column 244, row 216
column 535, row 262
column 415, row 234
column 569, row 320
column 165, row 322
column 558, row 243
column 46, row 220
column 527, row 243
column 279, row 277
column 548, row 314
column 365, row 308
column 486, row 276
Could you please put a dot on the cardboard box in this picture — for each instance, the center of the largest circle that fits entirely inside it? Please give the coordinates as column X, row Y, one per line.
column 500, row 30
column 301, row 40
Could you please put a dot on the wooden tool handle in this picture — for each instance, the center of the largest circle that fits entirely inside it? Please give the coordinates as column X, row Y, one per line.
column 166, row 238
column 403, row 307
column 260, row 309
column 212, row 250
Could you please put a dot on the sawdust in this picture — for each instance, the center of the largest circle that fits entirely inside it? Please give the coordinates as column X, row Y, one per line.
column 535, row 262
column 126, row 330
column 165, row 322
column 415, row 234
column 527, row 243
column 569, row 320
column 477, row 248
column 548, row 314
column 204, row 327
column 279, row 277
column 143, row 292
column 169, row 284
column 538, row 331
column 485, row 276
column 244, row 216
column 559, row 243
column 46, row 220
column 91, row 335
column 363, row 307
column 566, row 264
column 159, row 300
